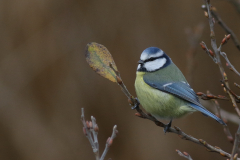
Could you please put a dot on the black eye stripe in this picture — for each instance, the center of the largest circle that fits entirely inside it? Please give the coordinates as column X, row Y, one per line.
column 142, row 67
column 152, row 59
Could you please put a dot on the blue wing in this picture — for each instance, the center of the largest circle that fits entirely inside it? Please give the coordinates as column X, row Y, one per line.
column 184, row 91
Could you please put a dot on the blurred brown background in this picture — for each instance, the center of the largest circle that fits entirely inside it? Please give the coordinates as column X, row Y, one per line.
column 45, row 80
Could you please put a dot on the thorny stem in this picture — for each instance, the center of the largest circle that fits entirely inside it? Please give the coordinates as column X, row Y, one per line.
column 134, row 102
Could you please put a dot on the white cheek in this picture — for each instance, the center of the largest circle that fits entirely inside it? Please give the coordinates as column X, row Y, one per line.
column 139, row 66
column 156, row 64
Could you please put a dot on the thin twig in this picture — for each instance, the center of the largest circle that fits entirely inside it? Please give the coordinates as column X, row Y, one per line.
column 210, row 96
column 124, row 89
column 209, row 52
column 237, row 98
column 109, row 142
column 227, row 116
column 230, row 116
column 225, row 128
column 87, row 129
column 224, row 26
column 134, row 102
column 184, row 154
column 224, row 55
column 217, row 55
column 229, row 65
column 237, row 85
column 90, row 129
column 94, row 129
column 236, row 143
column 219, row 114
column 217, row 52
column 183, row 135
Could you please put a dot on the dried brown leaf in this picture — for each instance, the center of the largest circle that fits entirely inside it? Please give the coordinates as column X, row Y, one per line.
column 99, row 58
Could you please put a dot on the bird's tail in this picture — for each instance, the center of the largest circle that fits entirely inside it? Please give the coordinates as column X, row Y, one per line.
column 208, row 113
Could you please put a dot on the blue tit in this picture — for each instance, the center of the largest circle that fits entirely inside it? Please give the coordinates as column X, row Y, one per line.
column 163, row 90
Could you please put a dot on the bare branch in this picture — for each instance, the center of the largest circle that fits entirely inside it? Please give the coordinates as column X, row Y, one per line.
column 224, row 26
column 209, row 52
column 184, row 154
column 236, row 144
column 210, row 96
column 237, row 85
column 124, row 89
column 230, row 117
column 217, row 55
column 218, row 112
column 228, row 64
column 90, row 129
column 109, row 142
column 217, row 52
column 225, row 128
column 135, row 103
column 226, row 116
column 183, row 135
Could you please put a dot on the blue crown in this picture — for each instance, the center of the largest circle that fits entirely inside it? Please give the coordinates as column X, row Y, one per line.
column 152, row 50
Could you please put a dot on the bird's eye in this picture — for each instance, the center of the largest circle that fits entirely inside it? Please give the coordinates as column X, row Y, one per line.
column 151, row 59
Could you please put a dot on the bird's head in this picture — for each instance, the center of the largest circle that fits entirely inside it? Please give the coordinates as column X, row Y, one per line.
column 153, row 59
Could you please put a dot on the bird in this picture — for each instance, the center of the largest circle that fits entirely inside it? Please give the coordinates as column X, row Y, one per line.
column 162, row 89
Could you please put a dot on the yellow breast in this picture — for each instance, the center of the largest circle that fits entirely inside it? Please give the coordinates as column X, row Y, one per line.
column 160, row 104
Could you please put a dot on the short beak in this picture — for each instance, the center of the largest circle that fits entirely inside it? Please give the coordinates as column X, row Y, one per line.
column 140, row 62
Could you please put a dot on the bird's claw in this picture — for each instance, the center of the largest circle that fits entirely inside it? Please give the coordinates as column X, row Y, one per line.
column 167, row 126
column 137, row 104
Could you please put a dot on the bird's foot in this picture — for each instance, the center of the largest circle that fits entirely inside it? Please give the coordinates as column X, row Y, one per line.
column 137, row 104
column 167, row 127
